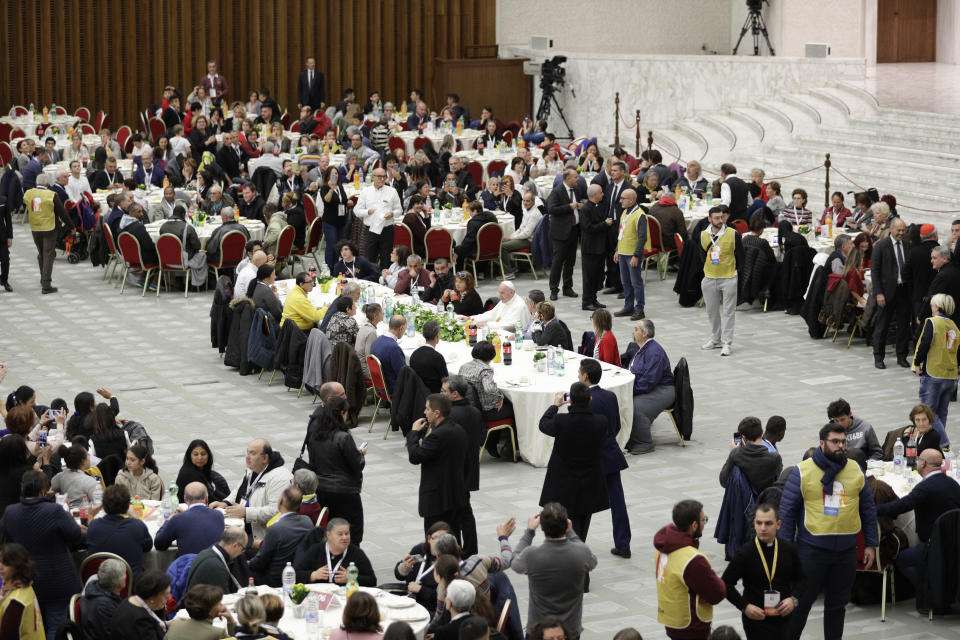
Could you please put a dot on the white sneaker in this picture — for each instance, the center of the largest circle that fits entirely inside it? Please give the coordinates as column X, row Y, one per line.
column 726, row 350
column 710, row 345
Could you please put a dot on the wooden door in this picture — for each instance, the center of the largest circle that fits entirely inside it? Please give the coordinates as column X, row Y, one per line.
column 906, row 30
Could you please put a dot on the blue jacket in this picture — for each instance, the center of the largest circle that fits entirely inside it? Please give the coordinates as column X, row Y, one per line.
column 791, row 514
column 48, row 533
column 391, row 358
column 30, row 173
column 196, row 529
column 126, row 537
column 733, row 525
column 155, row 178
column 605, row 403
column 178, row 571
column 541, row 248
column 651, row 368
column 929, row 500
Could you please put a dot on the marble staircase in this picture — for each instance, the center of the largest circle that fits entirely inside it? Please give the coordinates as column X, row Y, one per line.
column 914, row 155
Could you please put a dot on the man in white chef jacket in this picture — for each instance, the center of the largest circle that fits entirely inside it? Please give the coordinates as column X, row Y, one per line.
column 379, row 207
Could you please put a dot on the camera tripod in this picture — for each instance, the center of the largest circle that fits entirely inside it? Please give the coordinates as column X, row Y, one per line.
column 757, row 27
column 543, row 111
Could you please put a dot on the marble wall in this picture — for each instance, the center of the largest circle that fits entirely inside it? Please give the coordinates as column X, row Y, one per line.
column 948, row 31
column 670, row 88
column 793, row 23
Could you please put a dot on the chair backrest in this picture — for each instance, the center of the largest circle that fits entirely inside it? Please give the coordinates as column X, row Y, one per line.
column 476, row 170
column 402, row 236
column 438, row 244
column 314, row 235
column 653, row 232
column 285, row 243
column 496, row 168
column 396, row 142
column 101, row 121
column 130, row 251
column 489, row 238
column 124, row 133
column 376, row 376
column 87, row 129
column 5, row 130
column 170, row 251
column 232, row 249
column 678, row 241
column 285, row 118
column 309, row 207
column 83, row 114
column 74, row 610
column 157, row 128
column 322, row 518
column 6, row 153
column 508, row 137
column 741, row 226
column 19, row 111
column 504, row 614
column 419, row 142
column 295, row 126
column 108, row 233
column 17, row 133
column 92, row 563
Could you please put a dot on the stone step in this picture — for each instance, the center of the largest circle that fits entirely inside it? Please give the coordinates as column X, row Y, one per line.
column 774, row 128
column 920, row 117
column 802, row 118
column 872, row 132
column 877, row 148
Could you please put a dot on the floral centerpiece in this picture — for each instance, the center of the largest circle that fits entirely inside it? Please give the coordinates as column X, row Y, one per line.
column 298, row 595
column 450, row 329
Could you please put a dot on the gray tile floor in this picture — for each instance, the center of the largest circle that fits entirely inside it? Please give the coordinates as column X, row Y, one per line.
column 155, row 355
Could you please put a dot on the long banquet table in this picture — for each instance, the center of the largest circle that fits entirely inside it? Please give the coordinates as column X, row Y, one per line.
column 531, row 392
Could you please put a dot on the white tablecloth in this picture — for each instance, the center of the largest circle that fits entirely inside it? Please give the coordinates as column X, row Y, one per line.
column 254, row 227
column 30, row 126
column 530, row 398
column 436, row 136
column 409, row 611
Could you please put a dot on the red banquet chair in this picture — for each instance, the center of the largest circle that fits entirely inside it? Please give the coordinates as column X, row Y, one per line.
column 124, row 133
column 232, row 249
column 476, row 170
column 20, row 111
column 103, row 120
column 506, row 424
column 285, row 244
column 656, row 247
column 419, row 142
column 741, row 226
column 402, row 236
column 314, row 235
column 5, row 130
column 396, row 142
column 379, row 388
column 6, row 153
column 114, row 258
column 83, row 114
column 158, row 128
column 132, row 257
column 489, row 238
column 295, row 127
column 92, row 563
column 496, row 168
column 309, row 207
column 438, row 243
column 170, row 251
column 527, row 255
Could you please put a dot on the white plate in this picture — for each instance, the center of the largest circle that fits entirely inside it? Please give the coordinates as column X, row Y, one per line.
column 408, row 615
column 398, row 602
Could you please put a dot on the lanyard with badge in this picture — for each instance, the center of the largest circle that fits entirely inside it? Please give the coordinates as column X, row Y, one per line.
column 251, row 487
column 331, row 571
column 771, row 598
column 226, row 566
column 714, row 247
column 623, row 221
column 424, row 570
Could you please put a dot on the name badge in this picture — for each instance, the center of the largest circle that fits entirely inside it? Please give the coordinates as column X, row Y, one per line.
column 770, row 601
column 832, row 503
column 715, row 254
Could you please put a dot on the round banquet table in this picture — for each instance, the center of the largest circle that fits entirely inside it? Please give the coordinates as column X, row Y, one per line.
column 466, row 139
column 255, row 228
column 30, row 126
column 531, row 392
column 393, row 608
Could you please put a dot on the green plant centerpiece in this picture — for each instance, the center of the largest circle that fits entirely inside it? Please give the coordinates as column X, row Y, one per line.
column 299, row 593
column 450, row 329
column 539, row 355
column 803, row 229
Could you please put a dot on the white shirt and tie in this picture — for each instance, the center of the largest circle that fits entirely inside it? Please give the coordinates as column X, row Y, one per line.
column 898, row 251
column 573, row 200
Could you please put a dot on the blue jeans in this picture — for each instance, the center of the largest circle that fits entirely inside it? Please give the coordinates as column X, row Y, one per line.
column 910, row 562
column 332, row 235
column 936, row 392
column 831, row 573
column 54, row 615
column 632, row 279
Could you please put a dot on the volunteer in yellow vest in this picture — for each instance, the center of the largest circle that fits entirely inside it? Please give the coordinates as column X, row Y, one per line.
column 723, row 254
column 19, row 611
column 47, row 214
column 298, row 308
column 687, row 587
column 632, row 240
column 771, row 574
column 826, row 503
column 935, row 361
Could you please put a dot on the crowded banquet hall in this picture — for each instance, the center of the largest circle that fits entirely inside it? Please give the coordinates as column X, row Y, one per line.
column 472, row 319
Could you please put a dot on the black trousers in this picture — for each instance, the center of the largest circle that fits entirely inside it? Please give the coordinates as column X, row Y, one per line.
column 593, row 265
column 770, row 628
column 564, row 259
column 896, row 310
column 612, row 278
column 4, row 260
column 468, row 529
column 452, row 518
column 347, row 506
column 379, row 246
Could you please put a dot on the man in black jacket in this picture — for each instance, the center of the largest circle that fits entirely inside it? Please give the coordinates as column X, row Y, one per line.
column 442, row 456
column 231, row 157
column 213, row 566
column 594, row 225
column 614, row 208
column 136, row 228
column 920, row 270
column 563, row 207
column 171, row 115
column 946, row 280
column 176, row 225
column 283, row 537
column 110, row 177
column 466, row 185
column 6, row 241
column 892, row 289
column 733, row 192
column 441, row 279
column 101, row 597
column 250, row 205
column 478, row 218
column 311, row 90
column 760, row 466
column 427, row 361
column 469, row 418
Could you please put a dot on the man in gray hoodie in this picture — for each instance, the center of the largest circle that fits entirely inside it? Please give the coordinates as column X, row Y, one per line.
column 860, row 433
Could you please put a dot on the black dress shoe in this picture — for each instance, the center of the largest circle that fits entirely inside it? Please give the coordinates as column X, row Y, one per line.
column 611, row 290
column 623, row 313
column 600, row 304
column 570, row 293
column 48, row 290
column 903, row 362
column 623, row 553
column 553, row 295
column 879, row 364
column 6, row 286
column 590, row 307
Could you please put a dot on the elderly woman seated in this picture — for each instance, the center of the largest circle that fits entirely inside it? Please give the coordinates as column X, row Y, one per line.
column 215, row 201
column 552, row 331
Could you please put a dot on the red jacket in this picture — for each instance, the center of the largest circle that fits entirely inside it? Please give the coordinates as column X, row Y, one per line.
column 403, row 280
column 607, row 349
column 698, row 576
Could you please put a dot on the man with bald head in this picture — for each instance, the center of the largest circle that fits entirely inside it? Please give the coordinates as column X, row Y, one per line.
column 148, row 173
column 936, row 494
column 564, row 206
column 263, row 484
column 248, row 273
column 632, row 240
column 594, row 226
column 891, row 286
column 193, row 530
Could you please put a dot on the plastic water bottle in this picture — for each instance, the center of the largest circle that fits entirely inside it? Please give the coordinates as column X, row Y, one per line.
column 313, row 618
column 415, row 294
column 451, row 312
column 30, row 111
column 440, row 307
column 84, row 510
column 352, row 574
column 551, row 363
column 287, row 579
column 560, row 362
column 518, row 335
column 98, row 494
column 899, row 463
column 411, row 329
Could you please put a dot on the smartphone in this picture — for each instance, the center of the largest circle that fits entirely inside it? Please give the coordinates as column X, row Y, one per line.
column 42, row 438
column 363, row 445
column 736, row 437
column 417, row 557
column 566, row 397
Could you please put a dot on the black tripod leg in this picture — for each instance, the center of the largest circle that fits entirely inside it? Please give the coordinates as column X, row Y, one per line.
column 743, row 32
column 766, row 36
column 562, row 117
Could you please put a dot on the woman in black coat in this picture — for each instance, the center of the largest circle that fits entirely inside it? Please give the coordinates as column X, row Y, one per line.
column 338, row 463
column 295, row 218
column 143, row 615
column 466, row 300
column 333, row 198
column 353, row 265
column 108, row 438
column 198, row 467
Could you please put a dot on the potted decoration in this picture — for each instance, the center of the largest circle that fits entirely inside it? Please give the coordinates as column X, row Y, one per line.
column 540, row 361
column 298, row 595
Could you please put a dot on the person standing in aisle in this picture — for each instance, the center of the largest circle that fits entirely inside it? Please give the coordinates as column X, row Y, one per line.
column 723, row 254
